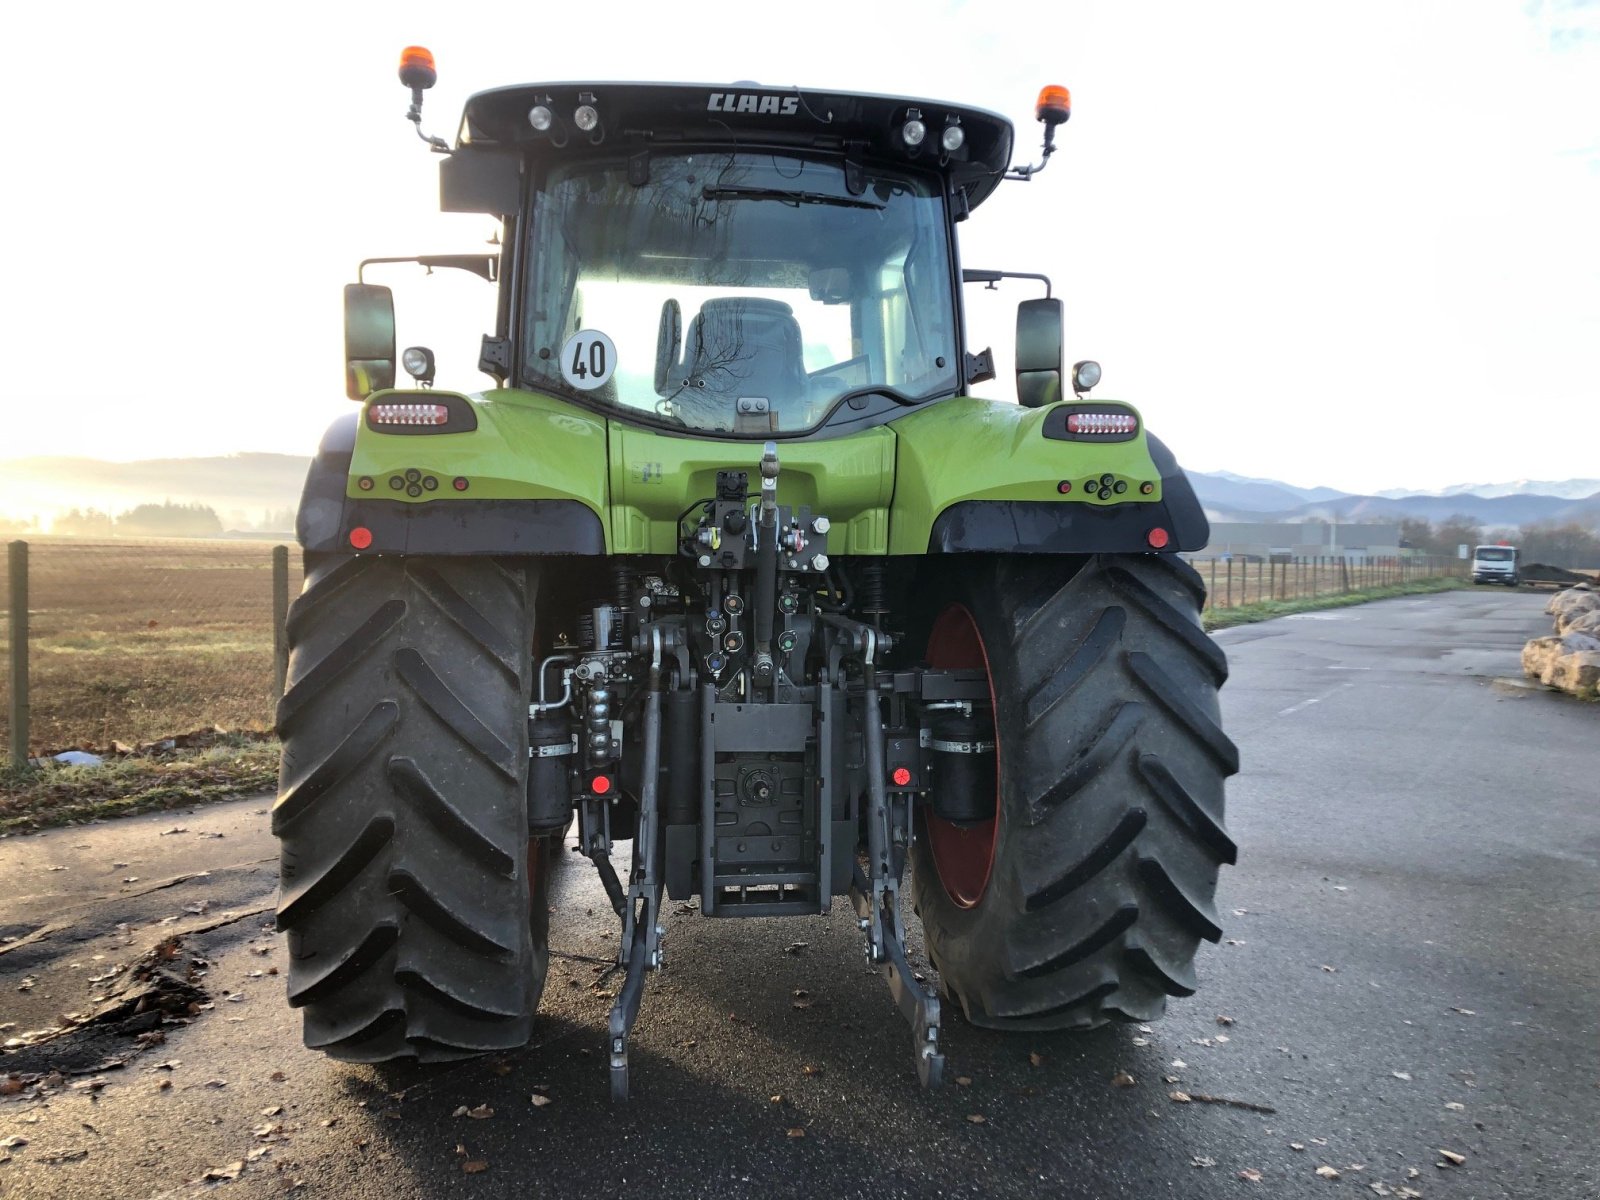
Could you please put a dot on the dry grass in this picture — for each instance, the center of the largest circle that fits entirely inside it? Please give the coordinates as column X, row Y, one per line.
column 139, row 640
column 37, row 799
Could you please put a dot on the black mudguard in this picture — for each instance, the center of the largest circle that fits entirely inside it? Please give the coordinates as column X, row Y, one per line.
column 327, row 516
column 1052, row 527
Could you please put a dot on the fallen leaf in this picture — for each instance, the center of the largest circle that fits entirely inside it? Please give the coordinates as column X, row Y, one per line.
column 796, row 1132
column 1201, row 1161
column 963, row 1080
column 776, row 1099
column 1412, row 1172
column 1141, row 1041
column 474, row 1166
column 330, row 1122
column 1465, row 1012
column 1222, row 1020
column 1327, row 1172
column 1328, row 969
column 1381, row 1188
column 12, row 1142
column 1179, row 1097
column 1319, row 1141
column 164, row 1085
column 812, row 1069
column 277, row 1077
column 460, row 1111
column 215, row 1083
column 1455, row 1106
column 977, row 1118
column 1170, row 1079
column 801, row 1004
column 1406, row 1075
column 795, row 947
column 1222, row 1039
column 1297, row 1145
column 1035, row 1058
column 231, row 1171
column 1454, row 1159
column 1356, row 1167
column 539, row 1101
column 1250, row 1174
column 1178, row 1064
column 1122, row 1079
column 481, row 1113
column 1406, row 1193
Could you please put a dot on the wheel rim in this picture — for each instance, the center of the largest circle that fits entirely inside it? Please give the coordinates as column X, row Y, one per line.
column 963, row 855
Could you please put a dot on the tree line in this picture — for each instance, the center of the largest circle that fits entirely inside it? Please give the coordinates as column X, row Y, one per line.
column 1556, row 544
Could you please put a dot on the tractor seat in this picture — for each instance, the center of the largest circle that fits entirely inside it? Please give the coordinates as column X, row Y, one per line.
column 745, row 346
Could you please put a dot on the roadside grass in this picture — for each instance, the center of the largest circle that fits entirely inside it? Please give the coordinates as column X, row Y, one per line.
column 49, row 796
column 1264, row 610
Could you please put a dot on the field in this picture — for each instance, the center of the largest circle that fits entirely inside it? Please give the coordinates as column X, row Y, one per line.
column 133, row 641
column 138, row 640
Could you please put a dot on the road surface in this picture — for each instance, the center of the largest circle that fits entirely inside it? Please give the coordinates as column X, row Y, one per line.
column 1409, row 967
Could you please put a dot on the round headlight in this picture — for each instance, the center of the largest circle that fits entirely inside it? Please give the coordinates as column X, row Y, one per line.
column 586, row 118
column 1085, row 375
column 540, row 117
column 417, row 361
column 952, row 137
column 913, row 131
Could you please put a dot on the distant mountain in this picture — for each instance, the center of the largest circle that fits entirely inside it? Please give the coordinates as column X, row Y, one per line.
column 1229, row 497
column 1305, row 493
column 1568, row 489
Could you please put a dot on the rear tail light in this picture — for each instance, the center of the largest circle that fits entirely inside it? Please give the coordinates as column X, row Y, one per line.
column 408, row 414
column 1107, row 421
column 1092, row 422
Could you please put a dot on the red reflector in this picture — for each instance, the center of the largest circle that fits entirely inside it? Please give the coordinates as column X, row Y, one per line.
column 1064, row 486
column 1102, row 422
column 901, row 777
column 600, row 785
column 361, row 537
column 409, row 414
column 459, row 483
column 1158, row 537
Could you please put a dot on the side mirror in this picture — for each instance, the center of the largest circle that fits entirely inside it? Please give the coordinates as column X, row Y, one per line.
column 1038, row 352
column 368, row 339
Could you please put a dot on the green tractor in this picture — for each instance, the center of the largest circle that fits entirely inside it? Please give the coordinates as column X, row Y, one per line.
column 731, row 565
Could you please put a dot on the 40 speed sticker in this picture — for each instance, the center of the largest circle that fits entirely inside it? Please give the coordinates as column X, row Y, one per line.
column 588, row 360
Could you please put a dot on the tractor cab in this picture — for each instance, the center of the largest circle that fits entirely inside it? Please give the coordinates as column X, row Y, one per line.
column 740, row 262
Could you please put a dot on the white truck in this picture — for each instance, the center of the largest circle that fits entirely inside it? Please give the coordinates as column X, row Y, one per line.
column 1495, row 564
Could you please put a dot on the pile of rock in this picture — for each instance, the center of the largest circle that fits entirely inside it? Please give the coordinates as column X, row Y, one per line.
column 1571, row 659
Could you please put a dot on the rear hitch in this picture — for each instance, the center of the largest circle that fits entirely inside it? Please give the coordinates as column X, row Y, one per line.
column 876, row 896
column 640, row 909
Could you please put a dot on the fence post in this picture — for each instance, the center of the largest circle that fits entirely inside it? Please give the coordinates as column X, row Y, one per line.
column 18, row 560
column 280, row 618
column 1211, row 592
column 1230, row 581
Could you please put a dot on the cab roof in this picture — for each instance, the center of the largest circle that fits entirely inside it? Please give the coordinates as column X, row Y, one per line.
column 637, row 116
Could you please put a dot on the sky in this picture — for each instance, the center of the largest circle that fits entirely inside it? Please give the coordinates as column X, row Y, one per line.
column 1342, row 243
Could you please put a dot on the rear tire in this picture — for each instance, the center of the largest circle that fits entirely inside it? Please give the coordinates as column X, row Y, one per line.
column 414, row 902
column 1104, row 857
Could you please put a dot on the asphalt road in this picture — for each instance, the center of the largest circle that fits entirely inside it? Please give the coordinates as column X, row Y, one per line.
column 1410, row 966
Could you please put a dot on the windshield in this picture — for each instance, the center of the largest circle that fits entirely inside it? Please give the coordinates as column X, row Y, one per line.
column 737, row 293
column 1495, row 554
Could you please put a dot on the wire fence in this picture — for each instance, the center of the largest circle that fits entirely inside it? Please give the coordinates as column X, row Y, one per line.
column 1233, row 581
column 136, row 641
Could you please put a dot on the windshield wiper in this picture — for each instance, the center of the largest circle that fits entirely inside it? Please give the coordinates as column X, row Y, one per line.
column 784, row 196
